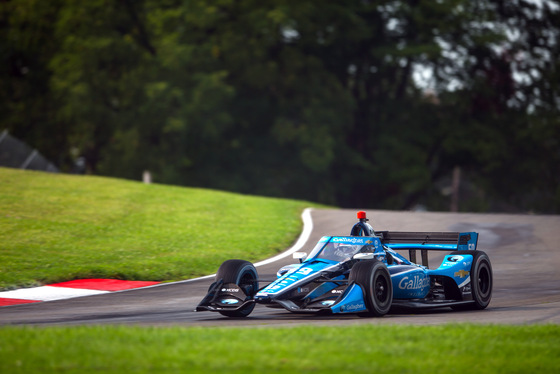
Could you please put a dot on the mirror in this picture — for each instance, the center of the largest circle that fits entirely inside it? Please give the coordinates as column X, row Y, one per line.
column 363, row 256
column 299, row 256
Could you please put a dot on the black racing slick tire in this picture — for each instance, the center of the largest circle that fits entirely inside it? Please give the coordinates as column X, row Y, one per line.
column 244, row 274
column 375, row 280
column 481, row 279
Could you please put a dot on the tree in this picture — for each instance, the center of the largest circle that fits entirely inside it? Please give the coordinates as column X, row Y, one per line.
column 27, row 44
column 347, row 102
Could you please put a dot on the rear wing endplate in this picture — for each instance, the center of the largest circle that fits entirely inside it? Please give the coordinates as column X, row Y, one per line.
column 428, row 241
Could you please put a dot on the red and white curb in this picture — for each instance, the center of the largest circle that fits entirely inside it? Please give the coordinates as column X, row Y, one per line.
column 87, row 287
column 67, row 290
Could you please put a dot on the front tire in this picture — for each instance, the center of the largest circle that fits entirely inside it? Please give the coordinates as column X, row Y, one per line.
column 375, row 280
column 244, row 274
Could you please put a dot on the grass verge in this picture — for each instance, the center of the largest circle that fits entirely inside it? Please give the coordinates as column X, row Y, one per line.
column 353, row 349
column 56, row 227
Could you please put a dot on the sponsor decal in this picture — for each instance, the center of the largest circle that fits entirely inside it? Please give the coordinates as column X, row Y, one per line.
column 348, row 240
column 414, row 283
column 229, row 301
column 327, row 302
column 337, row 291
column 454, row 258
column 352, row 307
column 230, row 290
column 461, row 273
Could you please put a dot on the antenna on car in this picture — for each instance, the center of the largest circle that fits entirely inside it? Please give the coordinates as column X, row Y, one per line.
column 362, row 228
column 362, row 216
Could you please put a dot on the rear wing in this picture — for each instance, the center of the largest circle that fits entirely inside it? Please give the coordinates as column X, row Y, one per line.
column 428, row 241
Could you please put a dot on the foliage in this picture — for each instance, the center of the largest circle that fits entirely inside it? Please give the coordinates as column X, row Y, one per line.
column 354, row 103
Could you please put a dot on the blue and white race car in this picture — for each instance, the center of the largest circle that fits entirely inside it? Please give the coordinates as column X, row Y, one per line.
column 362, row 273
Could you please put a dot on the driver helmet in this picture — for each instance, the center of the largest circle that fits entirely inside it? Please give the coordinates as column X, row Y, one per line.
column 344, row 250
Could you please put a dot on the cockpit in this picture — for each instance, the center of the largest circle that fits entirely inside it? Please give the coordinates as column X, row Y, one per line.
column 339, row 249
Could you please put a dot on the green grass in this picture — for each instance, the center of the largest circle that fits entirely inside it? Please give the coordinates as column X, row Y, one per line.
column 351, row 349
column 56, row 227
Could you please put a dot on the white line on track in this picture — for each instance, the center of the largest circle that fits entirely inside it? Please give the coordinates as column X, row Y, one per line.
column 306, row 232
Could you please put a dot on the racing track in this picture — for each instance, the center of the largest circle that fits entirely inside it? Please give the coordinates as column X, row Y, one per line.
column 522, row 248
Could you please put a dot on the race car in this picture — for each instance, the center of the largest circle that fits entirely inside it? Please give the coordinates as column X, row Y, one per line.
column 363, row 274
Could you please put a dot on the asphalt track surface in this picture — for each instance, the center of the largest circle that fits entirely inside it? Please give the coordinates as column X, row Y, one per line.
column 523, row 250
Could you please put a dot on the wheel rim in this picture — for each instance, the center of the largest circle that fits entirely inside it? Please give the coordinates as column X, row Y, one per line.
column 247, row 283
column 380, row 289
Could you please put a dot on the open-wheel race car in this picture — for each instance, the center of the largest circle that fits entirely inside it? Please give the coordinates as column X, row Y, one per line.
column 362, row 273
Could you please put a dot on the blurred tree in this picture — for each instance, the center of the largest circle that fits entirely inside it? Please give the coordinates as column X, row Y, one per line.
column 27, row 44
column 347, row 102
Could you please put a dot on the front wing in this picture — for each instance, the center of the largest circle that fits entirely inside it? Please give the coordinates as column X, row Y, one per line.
column 326, row 298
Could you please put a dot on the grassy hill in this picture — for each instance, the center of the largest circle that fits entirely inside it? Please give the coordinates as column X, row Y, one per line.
column 56, row 227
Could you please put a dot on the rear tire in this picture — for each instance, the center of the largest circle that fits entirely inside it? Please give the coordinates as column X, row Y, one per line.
column 481, row 280
column 375, row 280
column 244, row 274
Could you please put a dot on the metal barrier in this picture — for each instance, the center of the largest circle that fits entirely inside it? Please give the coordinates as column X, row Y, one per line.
column 16, row 154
